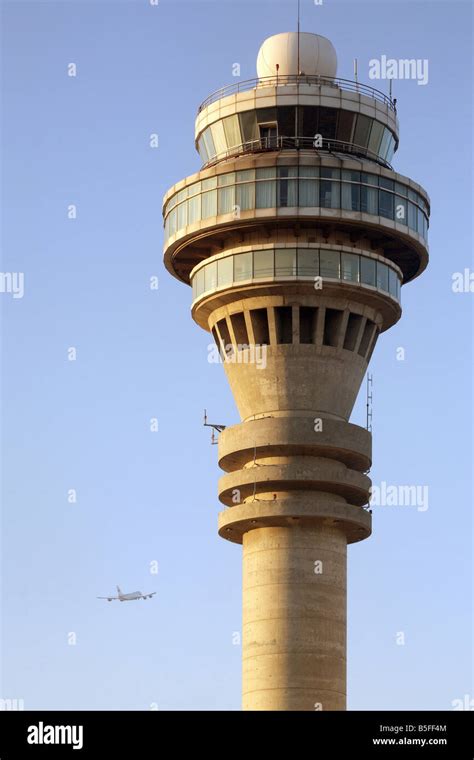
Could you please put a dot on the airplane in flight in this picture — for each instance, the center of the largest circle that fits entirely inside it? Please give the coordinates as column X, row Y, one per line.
column 127, row 597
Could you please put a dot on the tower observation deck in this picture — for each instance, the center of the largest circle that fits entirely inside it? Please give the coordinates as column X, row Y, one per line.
column 296, row 236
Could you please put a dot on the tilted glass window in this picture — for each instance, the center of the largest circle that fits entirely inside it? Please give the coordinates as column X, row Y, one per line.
column 263, row 263
column 245, row 196
column 232, row 131
column 218, row 136
column 171, row 202
column 266, row 190
column 401, row 211
column 327, row 122
column 369, row 179
column 385, row 143
column 266, row 115
column 210, row 276
column 329, row 173
column 375, row 137
column 386, row 183
column 209, row 143
column 209, row 204
column 287, row 188
column 307, row 124
column 203, row 150
column 268, row 172
column 344, row 126
column 248, row 126
column 266, row 194
column 369, row 199
column 367, row 271
column 199, row 279
column 350, row 267
column 350, row 196
column 226, row 179
column 392, row 283
column 225, row 199
column 209, row 184
column 285, row 262
column 247, row 175
column 386, row 204
column 329, row 263
column 309, row 187
column 194, row 189
column 308, row 262
column 411, row 216
column 173, row 219
column 350, row 176
column 243, row 267
column 194, row 209
column 182, row 215
column 382, row 276
column 390, row 149
column 329, row 191
column 286, row 120
column 361, row 132
column 225, row 271
column 420, row 216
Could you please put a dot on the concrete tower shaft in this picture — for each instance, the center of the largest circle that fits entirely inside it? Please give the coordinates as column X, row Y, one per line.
column 296, row 237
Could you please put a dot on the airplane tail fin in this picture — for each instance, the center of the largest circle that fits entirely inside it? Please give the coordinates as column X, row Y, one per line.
column 118, row 591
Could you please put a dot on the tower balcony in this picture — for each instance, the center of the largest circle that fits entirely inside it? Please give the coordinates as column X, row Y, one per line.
column 301, row 112
column 255, row 198
column 284, row 80
column 308, row 144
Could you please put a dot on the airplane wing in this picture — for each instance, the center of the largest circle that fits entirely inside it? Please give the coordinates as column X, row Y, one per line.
column 148, row 596
column 109, row 598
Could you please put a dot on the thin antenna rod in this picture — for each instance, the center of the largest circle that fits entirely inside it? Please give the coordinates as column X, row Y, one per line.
column 369, row 401
column 298, row 64
column 356, row 74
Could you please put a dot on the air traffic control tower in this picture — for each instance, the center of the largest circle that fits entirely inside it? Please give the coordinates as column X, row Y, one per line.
column 296, row 237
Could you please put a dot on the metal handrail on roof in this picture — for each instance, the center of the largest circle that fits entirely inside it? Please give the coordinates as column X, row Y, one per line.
column 297, row 143
column 287, row 79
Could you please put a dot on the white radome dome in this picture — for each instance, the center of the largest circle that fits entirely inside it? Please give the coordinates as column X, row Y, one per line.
column 317, row 55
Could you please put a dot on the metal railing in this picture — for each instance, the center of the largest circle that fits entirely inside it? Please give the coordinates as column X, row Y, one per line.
column 298, row 143
column 316, row 81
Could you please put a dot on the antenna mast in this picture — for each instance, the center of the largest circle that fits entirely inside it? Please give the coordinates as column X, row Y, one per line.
column 369, row 402
column 215, row 428
column 298, row 64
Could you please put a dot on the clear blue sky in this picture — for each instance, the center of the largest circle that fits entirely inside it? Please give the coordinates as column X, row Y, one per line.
column 84, row 425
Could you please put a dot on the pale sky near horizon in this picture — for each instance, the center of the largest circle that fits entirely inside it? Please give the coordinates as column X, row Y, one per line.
column 146, row 497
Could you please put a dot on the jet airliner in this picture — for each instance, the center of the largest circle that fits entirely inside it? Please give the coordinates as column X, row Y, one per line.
column 127, row 597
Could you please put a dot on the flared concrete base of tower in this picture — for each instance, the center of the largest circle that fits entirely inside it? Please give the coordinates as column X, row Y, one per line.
column 294, row 618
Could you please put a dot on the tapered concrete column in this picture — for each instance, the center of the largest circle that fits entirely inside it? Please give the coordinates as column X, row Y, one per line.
column 294, row 618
